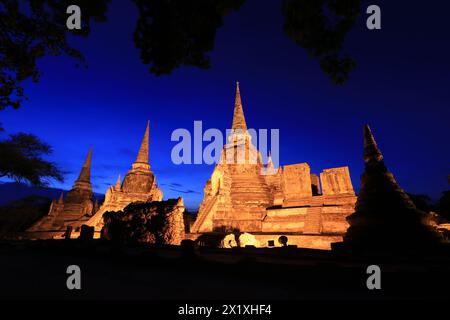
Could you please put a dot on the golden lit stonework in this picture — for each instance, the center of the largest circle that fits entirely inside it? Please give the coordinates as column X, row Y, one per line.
column 78, row 205
column 266, row 203
column 139, row 185
column 78, row 208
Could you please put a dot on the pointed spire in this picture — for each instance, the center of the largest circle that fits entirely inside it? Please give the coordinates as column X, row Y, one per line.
column 238, row 116
column 237, row 100
column 61, row 198
column 143, row 150
column 85, row 174
column 372, row 153
column 385, row 218
column 118, row 183
column 270, row 162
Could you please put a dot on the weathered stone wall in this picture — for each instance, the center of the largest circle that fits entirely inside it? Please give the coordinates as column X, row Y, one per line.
column 228, row 225
column 273, row 180
column 157, row 222
column 296, row 181
column 117, row 199
column 138, row 182
column 334, row 220
column 284, row 220
column 336, row 181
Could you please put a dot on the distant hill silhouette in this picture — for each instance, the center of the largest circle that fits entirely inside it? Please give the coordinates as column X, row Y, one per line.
column 13, row 191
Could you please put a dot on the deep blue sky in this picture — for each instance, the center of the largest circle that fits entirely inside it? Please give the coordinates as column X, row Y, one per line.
column 400, row 87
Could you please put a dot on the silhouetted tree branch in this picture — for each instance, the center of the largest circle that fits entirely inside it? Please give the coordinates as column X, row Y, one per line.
column 32, row 29
column 169, row 34
column 21, row 160
column 320, row 27
column 174, row 33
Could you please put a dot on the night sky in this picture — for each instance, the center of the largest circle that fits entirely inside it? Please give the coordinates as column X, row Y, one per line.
column 400, row 87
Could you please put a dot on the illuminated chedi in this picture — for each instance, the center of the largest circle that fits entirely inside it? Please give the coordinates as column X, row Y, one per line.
column 268, row 202
column 77, row 205
column 139, row 185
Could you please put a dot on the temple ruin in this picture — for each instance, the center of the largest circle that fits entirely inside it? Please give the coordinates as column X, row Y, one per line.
column 78, row 204
column 78, row 207
column 139, row 185
column 267, row 202
column 262, row 205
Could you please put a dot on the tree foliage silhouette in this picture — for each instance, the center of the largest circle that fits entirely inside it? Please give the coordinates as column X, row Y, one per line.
column 30, row 30
column 22, row 160
column 178, row 33
column 173, row 33
column 169, row 34
column 320, row 27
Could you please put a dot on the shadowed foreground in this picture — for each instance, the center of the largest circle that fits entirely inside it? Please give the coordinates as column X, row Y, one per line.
column 37, row 270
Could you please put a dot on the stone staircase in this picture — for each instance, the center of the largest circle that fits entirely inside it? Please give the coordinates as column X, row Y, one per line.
column 313, row 222
column 250, row 196
column 203, row 215
column 249, row 188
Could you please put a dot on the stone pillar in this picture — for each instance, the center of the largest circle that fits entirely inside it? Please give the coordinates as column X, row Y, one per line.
column 297, row 181
column 336, row 181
